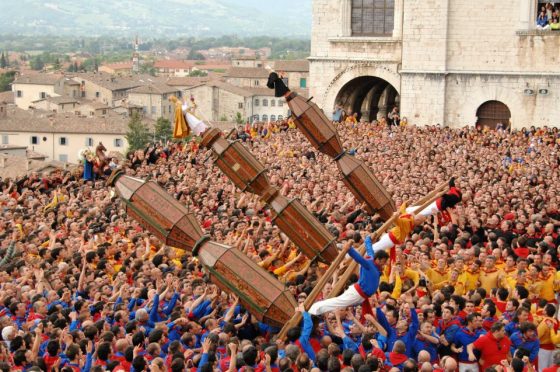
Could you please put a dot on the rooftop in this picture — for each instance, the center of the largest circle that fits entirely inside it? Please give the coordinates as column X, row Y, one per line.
column 299, row 65
column 7, row 97
column 155, row 88
column 248, row 72
column 109, row 81
column 38, row 121
column 174, row 64
column 119, row 65
column 38, row 79
column 188, row 81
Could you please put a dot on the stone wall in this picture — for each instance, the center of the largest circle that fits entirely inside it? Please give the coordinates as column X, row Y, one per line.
column 445, row 58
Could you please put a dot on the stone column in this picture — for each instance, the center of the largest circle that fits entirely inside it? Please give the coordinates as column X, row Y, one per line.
column 345, row 18
column 527, row 14
column 397, row 23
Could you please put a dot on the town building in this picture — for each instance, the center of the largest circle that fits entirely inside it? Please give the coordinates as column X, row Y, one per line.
column 117, row 68
column 30, row 88
column 175, row 68
column 60, row 136
column 222, row 101
column 449, row 62
column 154, row 99
column 107, row 88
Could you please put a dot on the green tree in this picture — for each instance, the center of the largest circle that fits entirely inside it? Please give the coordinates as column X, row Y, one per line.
column 76, row 68
column 198, row 73
column 138, row 134
column 163, row 130
column 37, row 63
column 57, row 65
column 195, row 55
column 239, row 118
column 3, row 62
column 223, row 117
column 6, row 80
column 71, row 68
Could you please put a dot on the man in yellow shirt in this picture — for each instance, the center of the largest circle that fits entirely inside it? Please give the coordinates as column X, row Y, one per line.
column 509, row 269
column 439, row 275
column 490, row 275
column 547, row 346
column 535, row 283
column 548, row 278
column 473, row 275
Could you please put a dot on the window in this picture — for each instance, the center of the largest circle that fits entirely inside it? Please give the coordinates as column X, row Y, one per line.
column 63, row 157
column 240, row 105
column 257, row 102
column 154, row 110
column 303, row 83
column 118, row 142
column 280, row 117
column 5, row 139
column 145, row 110
column 83, row 94
column 272, row 103
column 19, row 94
column 280, row 103
column 97, row 94
column 265, row 102
column 256, row 118
column 372, row 17
column 256, row 83
column 91, row 113
column 34, row 140
column 104, row 111
column 89, row 141
column 272, row 117
column 265, row 117
column 62, row 141
column 43, row 95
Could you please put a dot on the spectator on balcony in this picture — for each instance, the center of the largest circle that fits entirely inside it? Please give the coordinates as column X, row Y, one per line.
column 554, row 24
column 542, row 21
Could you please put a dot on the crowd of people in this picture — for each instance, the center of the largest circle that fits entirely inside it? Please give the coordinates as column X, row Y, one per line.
column 548, row 17
column 86, row 288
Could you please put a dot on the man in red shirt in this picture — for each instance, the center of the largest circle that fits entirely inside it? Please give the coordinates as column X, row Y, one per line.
column 494, row 347
column 556, row 365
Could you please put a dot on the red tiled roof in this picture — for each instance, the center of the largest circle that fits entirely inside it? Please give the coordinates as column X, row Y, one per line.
column 176, row 64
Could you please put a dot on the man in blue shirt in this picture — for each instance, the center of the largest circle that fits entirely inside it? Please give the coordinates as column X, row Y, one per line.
column 367, row 283
column 465, row 336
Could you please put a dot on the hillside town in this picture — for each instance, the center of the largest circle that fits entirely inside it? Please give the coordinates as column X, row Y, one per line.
column 57, row 113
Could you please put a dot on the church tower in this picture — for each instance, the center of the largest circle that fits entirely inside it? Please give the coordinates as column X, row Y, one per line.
column 136, row 58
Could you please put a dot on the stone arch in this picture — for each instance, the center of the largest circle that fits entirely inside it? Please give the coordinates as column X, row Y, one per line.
column 367, row 70
column 492, row 112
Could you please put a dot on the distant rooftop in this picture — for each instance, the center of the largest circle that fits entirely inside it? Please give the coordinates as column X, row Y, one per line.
column 38, row 79
column 155, row 88
column 248, row 72
column 301, row 65
column 38, row 121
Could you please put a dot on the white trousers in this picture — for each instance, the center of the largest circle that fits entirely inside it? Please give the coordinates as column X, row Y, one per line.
column 430, row 210
column 197, row 126
column 468, row 367
column 350, row 297
column 545, row 358
column 383, row 243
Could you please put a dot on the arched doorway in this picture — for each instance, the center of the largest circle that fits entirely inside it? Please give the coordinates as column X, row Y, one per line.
column 369, row 96
column 490, row 113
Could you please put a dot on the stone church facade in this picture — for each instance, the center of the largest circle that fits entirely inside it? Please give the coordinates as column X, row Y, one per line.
column 452, row 62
